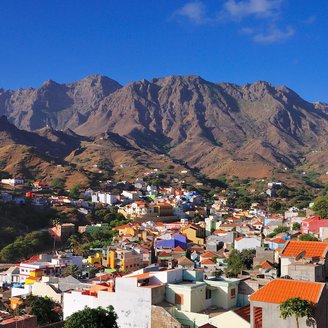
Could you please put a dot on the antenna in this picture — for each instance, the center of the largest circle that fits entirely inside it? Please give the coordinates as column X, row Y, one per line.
column 300, row 256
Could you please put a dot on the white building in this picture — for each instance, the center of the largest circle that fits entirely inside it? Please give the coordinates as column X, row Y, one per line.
column 48, row 264
column 132, row 195
column 247, row 243
column 104, row 198
column 12, row 182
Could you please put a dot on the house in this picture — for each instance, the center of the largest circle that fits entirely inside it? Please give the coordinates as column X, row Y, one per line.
column 195, row 233
column 275, row 243
column 265, row 302
column 124, row 259
column 242, row 243
column 13, row 182
column 172, row 241
column 39, row 185
column 185, row 263
column 313, row 225
column 45, row 265
column 305, row 260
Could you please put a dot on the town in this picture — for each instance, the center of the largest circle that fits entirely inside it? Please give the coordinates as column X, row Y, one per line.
column 165, row 256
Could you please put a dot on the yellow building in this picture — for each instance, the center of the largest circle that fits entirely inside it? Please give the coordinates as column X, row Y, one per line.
column 194, row 233
column 95, row 259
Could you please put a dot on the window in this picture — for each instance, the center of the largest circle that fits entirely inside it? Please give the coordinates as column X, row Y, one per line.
column 178, row 299
column 233, row 293
column 208, row 294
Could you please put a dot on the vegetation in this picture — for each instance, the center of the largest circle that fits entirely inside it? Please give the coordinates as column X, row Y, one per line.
column 93, row 318
column 321, row 206
column 25, row 246
column 238, row 261
column 296, row 226
column 74, row 192
column 296, row 307
column 278, row 230
column 58, row 184
column 308, row 237
column 43, row 308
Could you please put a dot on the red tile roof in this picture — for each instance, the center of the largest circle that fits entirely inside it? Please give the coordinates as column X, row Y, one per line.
column 266, row 265
column 310, row 249
column 279, row 290
column 245, row 313
column 207, row 262
column 279, row 241
column 208, row 255
column 178, row 249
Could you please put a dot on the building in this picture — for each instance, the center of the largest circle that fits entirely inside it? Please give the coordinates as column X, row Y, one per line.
column 304, row 260
column 313, row 225
column 195, row 233
column 13, row 182
column 46, row 265
column 242, row 243
column 126, row 260
column 104, row 198
column 265, row 302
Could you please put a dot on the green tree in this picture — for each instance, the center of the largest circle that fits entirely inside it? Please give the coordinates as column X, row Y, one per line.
column 296, row 307
column 58, row 184
column 74, row 192
column 296, row 226
column 321, row 206
column 308, row 237
column 93, row 318
column 43, row 309
column 238, row 261
column 72, row 270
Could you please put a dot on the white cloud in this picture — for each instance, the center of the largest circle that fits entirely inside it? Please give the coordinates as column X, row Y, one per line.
column 259, row 8
column 194, row 11
column 237, row 11
column 274, row 35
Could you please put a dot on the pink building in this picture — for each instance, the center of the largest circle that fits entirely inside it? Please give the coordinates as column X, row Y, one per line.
column 312, row 225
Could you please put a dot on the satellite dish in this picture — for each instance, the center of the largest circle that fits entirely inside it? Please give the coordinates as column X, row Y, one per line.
column 300, row 256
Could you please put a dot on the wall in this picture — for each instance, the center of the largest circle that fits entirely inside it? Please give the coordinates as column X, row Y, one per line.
column 160, row 318
column 41, row 289
column 221, row 296
column 271, row 317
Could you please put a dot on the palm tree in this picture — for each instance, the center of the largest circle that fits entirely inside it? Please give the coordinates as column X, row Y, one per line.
column 296, row 307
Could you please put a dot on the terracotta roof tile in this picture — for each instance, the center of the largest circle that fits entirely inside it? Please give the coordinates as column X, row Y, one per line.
column 266, row 265
column 207, row 262
column 279, row 290
column 208, row 255
column 310, row 248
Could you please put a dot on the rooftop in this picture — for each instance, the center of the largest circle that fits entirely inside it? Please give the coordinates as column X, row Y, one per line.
column 308, row 248
column 279, row 290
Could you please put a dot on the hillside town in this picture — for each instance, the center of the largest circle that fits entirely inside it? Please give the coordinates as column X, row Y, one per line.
column 167, row 256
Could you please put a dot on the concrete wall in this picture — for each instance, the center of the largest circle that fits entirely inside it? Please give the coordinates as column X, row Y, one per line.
column 271, row 317
column 42, row 289
column 222, row 295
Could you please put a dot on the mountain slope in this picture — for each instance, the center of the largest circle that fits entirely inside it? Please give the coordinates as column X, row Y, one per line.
column 58, row 105
column 216, row 128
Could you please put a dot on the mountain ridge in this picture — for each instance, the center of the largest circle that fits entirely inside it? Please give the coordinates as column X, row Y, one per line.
column 215, row 127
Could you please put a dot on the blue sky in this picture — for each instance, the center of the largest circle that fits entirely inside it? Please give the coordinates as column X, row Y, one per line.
column 284, row 42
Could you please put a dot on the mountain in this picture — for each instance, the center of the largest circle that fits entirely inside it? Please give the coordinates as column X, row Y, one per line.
column 214, row 128
column 35, row 156
column 60, row 106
